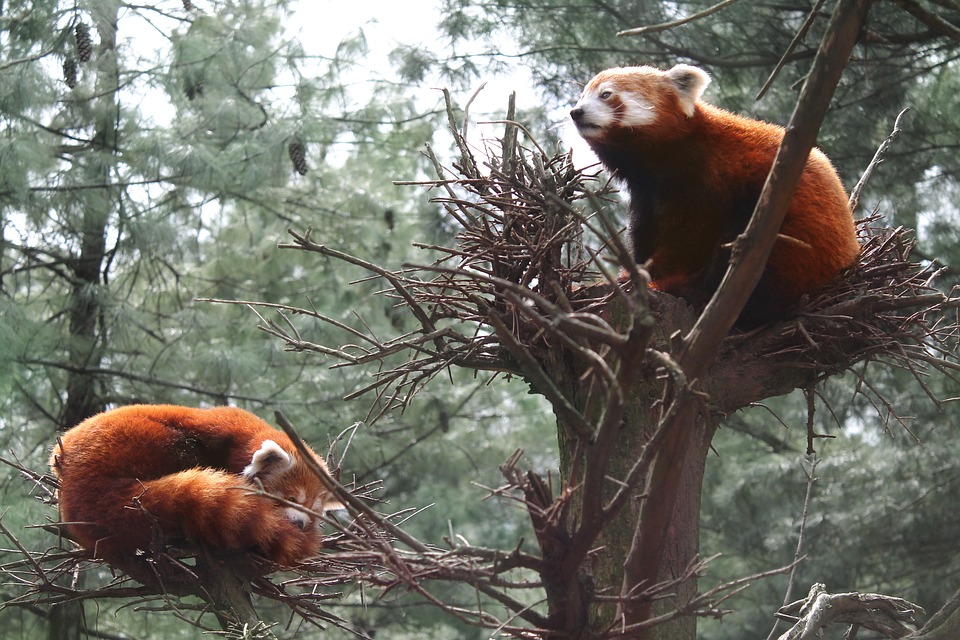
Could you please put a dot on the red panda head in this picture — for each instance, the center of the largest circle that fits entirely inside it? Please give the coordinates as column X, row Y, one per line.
column 638, row 103
column 283, row 475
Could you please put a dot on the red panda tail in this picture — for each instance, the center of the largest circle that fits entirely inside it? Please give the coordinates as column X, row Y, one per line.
column 128, row 517
column 224, row 511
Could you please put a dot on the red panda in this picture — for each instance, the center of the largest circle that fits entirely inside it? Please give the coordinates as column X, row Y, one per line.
column 142, row 473
column 694, row 174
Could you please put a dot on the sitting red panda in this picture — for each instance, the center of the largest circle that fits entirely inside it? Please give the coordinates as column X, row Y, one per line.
column 142, row 473
column 694, row 174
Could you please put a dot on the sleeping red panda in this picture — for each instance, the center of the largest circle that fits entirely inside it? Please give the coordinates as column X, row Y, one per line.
column 694, row 174
column 189, row 475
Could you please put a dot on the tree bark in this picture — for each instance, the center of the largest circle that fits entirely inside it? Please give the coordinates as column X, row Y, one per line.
column 86, row 331
column 642, row 416
column 225, row 585
column 943, row 625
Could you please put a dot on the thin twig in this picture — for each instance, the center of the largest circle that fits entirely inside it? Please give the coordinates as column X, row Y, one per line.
column 876, row 161
column 664, row 26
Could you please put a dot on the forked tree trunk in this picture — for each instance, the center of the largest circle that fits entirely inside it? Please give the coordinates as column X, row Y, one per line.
column 606, row 571
column 657, row 533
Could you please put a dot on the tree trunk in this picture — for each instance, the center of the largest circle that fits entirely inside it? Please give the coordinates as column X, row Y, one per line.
column 86, row 331
column 655, row 538
column 225, row 585
column 606, row 571
column 642, row 415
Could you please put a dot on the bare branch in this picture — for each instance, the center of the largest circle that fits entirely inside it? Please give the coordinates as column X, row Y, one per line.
column 753, row 247
column 891, row 617
column 875, row 162
column 676, row 23
column 797, row 39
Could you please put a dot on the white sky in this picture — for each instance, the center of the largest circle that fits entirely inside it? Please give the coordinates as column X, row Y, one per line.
column 324, row 23
column 387, row 24
column 321, row 25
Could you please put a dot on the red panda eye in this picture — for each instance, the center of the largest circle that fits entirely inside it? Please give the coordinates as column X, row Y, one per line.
column 604, row 95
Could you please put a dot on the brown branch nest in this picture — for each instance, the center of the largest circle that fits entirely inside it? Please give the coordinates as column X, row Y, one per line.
column 879, row 305
column 523, row 242
column 522, row 263
column 885, row 308
column 537, row 263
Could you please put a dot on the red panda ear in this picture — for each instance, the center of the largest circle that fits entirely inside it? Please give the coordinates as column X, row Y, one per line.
column 690, row 83
column 268, row 460
column 332, row 504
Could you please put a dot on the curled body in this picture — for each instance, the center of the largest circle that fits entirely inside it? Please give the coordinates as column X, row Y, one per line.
column 694, row 174
column 140, row 475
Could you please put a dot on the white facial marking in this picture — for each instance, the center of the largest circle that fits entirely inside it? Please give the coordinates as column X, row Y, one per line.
column 595, row 115
column 605, row 106
column 638, row 112
column 298, row 516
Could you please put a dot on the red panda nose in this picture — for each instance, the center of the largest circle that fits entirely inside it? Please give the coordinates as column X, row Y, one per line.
column 577, row 114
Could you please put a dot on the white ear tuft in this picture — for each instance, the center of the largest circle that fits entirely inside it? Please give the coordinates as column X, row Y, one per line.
column 269, row 459
column 690, row 83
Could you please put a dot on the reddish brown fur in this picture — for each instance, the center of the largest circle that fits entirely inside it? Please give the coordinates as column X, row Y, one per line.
column 135, row 473
column 694, row 182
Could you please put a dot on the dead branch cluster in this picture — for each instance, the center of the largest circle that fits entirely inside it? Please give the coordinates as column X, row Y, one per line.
column 522, row 275
column 520, row 265
column 890, row 617
column 885, row 309
column 532, row 270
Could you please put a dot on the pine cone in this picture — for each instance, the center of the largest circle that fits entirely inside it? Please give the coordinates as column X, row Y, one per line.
column 195, row 89
column 70, row 72
column 84, row 43
column 298, row 156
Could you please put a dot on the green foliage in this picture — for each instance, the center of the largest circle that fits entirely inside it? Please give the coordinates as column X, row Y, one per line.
column 880, row 517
